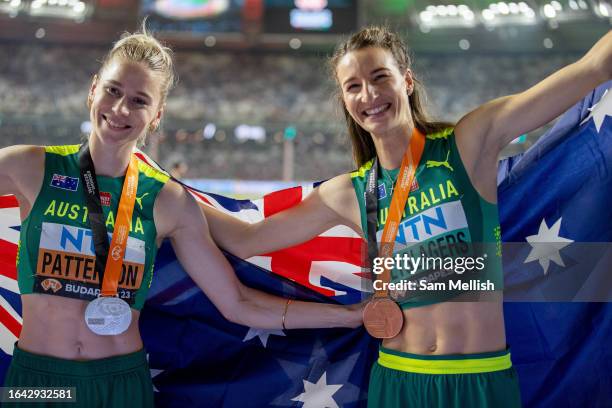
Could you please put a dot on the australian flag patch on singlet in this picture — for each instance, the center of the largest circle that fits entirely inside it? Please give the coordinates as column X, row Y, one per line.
column 65, row 182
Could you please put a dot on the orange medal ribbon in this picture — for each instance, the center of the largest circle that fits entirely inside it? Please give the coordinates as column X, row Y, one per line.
column 382, row 316
column 401, row 191
column 114, row 262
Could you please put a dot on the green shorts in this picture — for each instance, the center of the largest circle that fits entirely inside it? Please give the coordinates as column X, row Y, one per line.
column 463, row 380
column 121, row 381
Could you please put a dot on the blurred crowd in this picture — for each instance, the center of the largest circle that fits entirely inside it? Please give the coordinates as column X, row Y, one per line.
column 44, row 88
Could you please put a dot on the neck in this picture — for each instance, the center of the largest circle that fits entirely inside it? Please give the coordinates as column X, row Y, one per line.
column 109, row 160
column 390, row 147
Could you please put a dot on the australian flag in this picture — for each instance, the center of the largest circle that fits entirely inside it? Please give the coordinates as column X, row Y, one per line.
column 65, row 182
column 561, row 350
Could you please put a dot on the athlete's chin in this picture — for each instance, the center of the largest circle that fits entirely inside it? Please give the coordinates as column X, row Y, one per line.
column 111, row 138
column 377, row 128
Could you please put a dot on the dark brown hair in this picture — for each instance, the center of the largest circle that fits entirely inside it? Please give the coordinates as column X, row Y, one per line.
column 382, row 37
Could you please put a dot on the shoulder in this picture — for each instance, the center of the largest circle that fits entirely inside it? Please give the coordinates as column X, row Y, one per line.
column 23, row 151
column 337, row 189
column 23, row 160
column 342, row 182
column 22, row 171
column 174, row 208
column 339, row 195
column 151, row 171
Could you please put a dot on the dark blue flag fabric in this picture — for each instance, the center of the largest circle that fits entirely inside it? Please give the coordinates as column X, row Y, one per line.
column 557, row 193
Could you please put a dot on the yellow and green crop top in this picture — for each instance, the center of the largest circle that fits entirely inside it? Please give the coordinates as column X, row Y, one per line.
column 444, row 217
column 56, row 253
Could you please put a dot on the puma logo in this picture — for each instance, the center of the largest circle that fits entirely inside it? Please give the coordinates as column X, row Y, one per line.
column 433, row 163
column 139, row 200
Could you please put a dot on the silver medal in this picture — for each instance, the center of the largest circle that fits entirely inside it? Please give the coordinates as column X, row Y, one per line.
column 108, row 316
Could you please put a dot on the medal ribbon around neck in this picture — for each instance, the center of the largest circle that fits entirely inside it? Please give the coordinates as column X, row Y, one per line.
column 404, row 181
column 113, row 263
column 382, row 317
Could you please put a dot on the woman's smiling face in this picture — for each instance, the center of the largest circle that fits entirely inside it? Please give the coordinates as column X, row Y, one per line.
column 125, row 101
column 374, row 91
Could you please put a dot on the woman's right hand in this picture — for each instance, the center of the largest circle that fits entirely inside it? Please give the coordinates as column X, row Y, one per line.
column 356, row 314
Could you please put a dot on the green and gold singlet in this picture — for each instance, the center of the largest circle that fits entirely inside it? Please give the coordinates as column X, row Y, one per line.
column 444, row 217
column 56, row 252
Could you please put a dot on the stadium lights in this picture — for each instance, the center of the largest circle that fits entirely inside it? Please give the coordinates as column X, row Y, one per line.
column 295, row 43
column 245, row 132
column 549, row 11
column 210, row 41
column 548, row 43
column 495, row 14
column 450, row 15
column 209, row 131
column 72, row 9
column 603, row 10
column 510, row 13
column 10, row 7
column 503, row 13
column 464, row 44
column 574, row 10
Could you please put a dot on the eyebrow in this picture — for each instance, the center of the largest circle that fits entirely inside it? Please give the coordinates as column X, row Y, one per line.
column 371, row 73
column 112, row 81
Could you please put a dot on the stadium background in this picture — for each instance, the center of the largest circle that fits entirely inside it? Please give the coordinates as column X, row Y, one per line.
column 254, row 108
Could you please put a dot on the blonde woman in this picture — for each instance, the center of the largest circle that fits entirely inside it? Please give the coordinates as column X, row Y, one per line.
column 81, row 296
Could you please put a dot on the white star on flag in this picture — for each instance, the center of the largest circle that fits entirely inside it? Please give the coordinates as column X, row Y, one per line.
column 318, row 395
column 262, row 334
column 546, row 245
column 600, row 110
column 154, row 373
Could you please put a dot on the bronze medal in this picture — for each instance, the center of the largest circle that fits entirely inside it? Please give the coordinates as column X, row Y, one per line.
column 383, row 318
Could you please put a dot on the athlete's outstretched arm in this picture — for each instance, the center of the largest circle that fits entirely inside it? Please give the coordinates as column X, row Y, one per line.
column 178, row 217
column 493, row 125
column 332, row 203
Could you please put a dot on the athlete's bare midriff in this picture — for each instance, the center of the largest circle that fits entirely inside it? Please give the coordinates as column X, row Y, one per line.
column 452, row 328
column 55, row 326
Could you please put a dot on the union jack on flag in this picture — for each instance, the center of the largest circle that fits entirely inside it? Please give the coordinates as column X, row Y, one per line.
column 10, row 304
